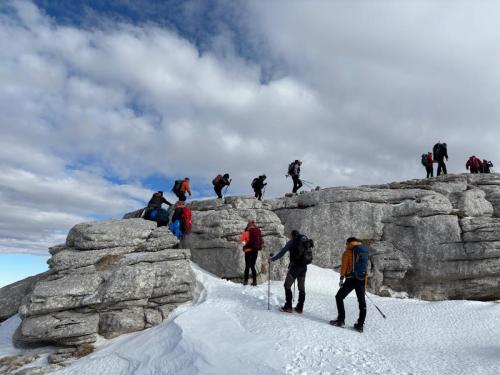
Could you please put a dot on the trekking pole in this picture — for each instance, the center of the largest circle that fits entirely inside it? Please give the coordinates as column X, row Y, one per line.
column 269, row 284
column 380, row 311
column 293, row 295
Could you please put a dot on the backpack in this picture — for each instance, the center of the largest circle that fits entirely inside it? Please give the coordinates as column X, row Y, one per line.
column 216, row 180
column 176, row 189
column 360, row 261
column 186, row 212
column 291, row 168
column 438, row 150
column 255, row 182
column 255, row 240
column 424, row 160
column 302, row 253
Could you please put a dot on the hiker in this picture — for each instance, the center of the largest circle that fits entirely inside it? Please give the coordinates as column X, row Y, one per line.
column 294, row 172
column 300, row 248
column 219, row 182
column 487, row 165
column 427, row 163
column 154, row 212
column 474, row 164
column 257, row 185
column 354, row 271
column 181, row 220
column 252, row 244
column 180, row 188
column 440, row 151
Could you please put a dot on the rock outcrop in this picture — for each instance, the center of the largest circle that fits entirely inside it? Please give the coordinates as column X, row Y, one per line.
column 110, row 278
column 215, row 238
column 434, row 239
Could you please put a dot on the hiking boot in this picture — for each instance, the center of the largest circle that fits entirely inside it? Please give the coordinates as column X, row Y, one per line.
column 287, row 309
column 298, row 309
column 337, row 323
column 245, row 282
column 254, row 283
column 358, row 327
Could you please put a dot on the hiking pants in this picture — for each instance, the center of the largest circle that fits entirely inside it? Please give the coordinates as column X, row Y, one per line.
column 182, row 196
column 441, row 167
column 297, row 184
column 474, row 170
column 430, row 171
column 250, row 260
column 218, row 191
column 258, row 194
column 295, row 273
column 359, row 286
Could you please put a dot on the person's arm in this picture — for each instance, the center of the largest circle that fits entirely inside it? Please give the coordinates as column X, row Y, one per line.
column 282, row 251
column 165, row 201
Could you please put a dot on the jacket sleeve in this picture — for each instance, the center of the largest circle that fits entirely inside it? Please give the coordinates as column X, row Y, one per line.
column 283, row 251
column 245, row 237
column 346, row 267
column 165, row 201
column 185, row 187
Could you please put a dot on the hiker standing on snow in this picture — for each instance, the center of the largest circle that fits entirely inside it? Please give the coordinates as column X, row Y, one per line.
column 300, row 248
column 353, row 275
column 181, row 187
column 252, row 244
column 219, row 182
column 440, row 151
column 294, row 172
column 154, row 211
column 258, row 184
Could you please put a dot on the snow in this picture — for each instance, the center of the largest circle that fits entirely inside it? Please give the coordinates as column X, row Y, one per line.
column 230, row 331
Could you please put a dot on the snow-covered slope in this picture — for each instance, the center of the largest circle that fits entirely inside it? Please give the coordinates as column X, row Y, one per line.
column 230, row 331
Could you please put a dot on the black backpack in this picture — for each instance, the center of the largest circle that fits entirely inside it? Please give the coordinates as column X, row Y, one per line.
column 291, row 168
column 255, row 182
column 438, row 150
column 176, row 189
column 302, row 253
column 424, row 160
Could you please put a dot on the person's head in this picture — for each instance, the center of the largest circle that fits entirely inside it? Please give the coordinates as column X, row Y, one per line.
column 263, row 176
column 251, row 223
column 444, row 144
column 226, row 175
column 186, row 179
column 294, row 234
column 351, row 242
column 179, row 204
column 429, row 153
column 160, row 192
column 300, row 162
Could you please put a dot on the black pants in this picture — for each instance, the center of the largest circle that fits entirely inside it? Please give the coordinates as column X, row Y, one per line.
column 441, row 167
column 258, row 194
column 250, row 260
column 218, row 191
column 182, row 196
column 359, row 287
column 297, row 184
column 474, row 170
column 430, row 171
column 295, row 273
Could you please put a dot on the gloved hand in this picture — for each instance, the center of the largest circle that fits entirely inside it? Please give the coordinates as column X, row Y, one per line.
column 269, row 259
column 341, row 283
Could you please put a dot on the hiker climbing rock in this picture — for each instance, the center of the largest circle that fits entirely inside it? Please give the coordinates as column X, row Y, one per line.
column 300, row 248
column 181, row 187
column 181, row 220
column 427, row 163
column 294, row 172
column 154, row 211
column 486, row 166
column 440, row 151
column 258, row 184
column 475, row 165
column 353, row 275
column 252, row 244
column 219, row 182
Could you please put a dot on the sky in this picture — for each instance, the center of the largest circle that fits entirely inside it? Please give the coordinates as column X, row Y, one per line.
column 103, row 102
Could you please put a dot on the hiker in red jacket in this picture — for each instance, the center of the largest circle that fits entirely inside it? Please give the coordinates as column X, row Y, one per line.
column 474, row 164
column 252, row 244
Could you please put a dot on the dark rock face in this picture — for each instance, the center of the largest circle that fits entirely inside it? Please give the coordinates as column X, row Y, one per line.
column 110, row 278
column 434, row 239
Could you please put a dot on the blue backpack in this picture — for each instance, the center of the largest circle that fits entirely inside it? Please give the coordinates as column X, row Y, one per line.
column 360, row 260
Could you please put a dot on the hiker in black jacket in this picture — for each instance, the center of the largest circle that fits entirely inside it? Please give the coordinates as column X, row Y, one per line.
column 154, row 211
column 296, row 270
column 294, row 172
column 440, row 151
column 257, row 185
column 219, row 182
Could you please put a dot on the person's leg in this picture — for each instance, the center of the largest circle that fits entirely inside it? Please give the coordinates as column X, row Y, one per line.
column 182, row 197
column 295, row 184
column 440, row 166
column 444, row 168
column 288, row 290
column 360, row 293
column 218, row 191
column 428, row 172
column 302, row 292
column 339, row 298
column 248, row 261
column 299, row 183
column 253, row 260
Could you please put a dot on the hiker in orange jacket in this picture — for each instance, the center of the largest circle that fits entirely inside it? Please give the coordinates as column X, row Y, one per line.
column 252, row 243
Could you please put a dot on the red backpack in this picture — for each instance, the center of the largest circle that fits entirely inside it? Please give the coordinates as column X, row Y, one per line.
column 255, row 241
column 187, row 219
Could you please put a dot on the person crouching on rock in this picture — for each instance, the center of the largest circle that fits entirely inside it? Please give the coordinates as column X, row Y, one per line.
column 299, row 247
column 220, row 182
column 154, row 211
column 181, row 220
column 354, row 271
column 252, row 244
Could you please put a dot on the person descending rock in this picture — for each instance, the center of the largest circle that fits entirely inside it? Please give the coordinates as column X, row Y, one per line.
column 427, row 163
column 294, row 172
column 258, row 184
column 353, row 270
column 474, row 164
column 154, row 211
column 181, row 220
column 181, row 187
column 486, row 166
column 440, row 151
column 219, row 182
column 252, row 244
column 300, row 248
